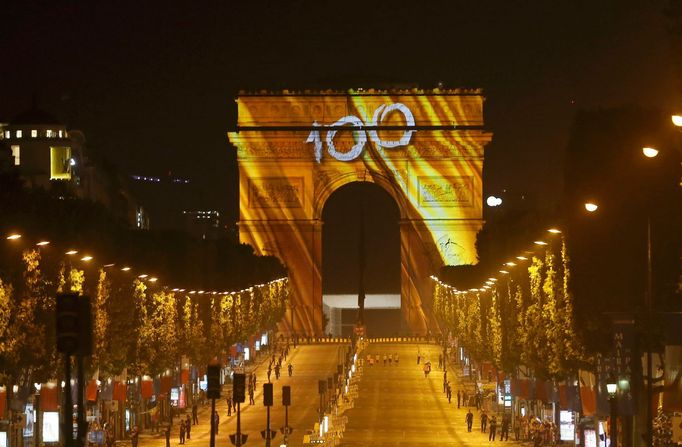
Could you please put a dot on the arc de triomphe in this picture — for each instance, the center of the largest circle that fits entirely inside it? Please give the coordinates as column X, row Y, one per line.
column 425, row 148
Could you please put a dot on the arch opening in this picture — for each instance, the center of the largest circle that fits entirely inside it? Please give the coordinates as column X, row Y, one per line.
column 350, row 210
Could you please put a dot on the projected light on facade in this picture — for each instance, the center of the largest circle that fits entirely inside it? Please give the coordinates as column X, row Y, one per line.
column 425, row 148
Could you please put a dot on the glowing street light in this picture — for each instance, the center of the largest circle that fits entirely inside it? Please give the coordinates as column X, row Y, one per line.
column 493, row 201
column 71, row 252
column 649, row 152
column 554, row 231
column 13, row 237
column 677, row 120
column 86, row 258
column 125, row 269
column 540, row 243
column 43, row 243
column 591, row 207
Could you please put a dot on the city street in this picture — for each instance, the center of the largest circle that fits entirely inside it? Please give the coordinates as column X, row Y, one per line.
column 311, row 363
column 397, row 406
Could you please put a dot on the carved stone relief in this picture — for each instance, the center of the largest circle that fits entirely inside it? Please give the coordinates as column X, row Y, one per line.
column 276, row 192
column 445, row 191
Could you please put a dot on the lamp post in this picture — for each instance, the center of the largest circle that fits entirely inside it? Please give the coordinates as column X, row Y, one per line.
column 649, row 152
column 612, row 388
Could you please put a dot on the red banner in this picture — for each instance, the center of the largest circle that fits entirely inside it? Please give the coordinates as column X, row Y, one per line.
column 166, row 384
column 91, row 391
column 119, row 391
column 3, row 402
column 588, row 393
column 147, row 389
column 184, row 376
column 49, row 400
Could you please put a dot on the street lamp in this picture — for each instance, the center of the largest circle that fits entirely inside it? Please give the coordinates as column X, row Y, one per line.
column 612, row 388
column 591, row 207
column 677, row 120
column 649, row 152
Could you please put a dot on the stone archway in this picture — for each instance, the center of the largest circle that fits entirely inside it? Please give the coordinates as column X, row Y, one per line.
column 425, row 148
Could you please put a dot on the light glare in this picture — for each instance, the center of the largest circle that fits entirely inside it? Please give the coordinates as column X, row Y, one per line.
column 677, row 120
column 13, row 237
column 591, row 207
column 649, row 152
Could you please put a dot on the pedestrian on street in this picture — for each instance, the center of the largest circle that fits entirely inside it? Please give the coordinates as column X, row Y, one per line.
column 182, row 431
column 269, row 372
column 449, row 393
column 493, row 428
column 397, row 359
column 445, row 382
column 419, row 357
column 134, row 436
column 469, row 420
column 188, row 425
column 290, row 368
column 168, row 436
column 504, row 431
column 459, row 398
column 484, row 421
column 277, row 371
column 251, row 400
column 440, row 360
column 229, row 405
column 216, row 421
column 195, row 413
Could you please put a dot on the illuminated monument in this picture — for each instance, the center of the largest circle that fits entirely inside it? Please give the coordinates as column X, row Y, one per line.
column 425, row 148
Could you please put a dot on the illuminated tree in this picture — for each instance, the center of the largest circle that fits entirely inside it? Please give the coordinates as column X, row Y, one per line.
column 100, row 319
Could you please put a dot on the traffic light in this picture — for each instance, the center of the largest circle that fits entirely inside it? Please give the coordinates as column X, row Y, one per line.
column 267, row 394
column 68, row 325
column 85, row 325
column 213, row 379
column 286, row 395
column 239, row 387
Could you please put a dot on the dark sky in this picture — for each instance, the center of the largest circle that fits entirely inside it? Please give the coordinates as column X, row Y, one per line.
column 152, row 83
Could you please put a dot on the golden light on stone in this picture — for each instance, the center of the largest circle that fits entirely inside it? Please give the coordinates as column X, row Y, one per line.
column 434, row 175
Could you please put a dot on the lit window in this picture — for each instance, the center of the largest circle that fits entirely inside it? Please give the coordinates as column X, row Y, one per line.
column 19, row 133
column 60, row 163
column 16, row 153
column 61, row 134
column 50, row 133
column 8, row 134
column 34, row 133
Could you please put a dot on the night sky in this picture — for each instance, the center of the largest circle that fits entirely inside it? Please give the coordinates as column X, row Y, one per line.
column 152, row 83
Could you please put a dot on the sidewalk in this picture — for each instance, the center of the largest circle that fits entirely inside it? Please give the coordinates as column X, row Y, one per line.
column 203, row 428
column 476, row 437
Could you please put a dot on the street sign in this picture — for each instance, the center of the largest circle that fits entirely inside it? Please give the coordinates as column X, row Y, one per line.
column 239, row 387
column 286, row 395
column 213, row 378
